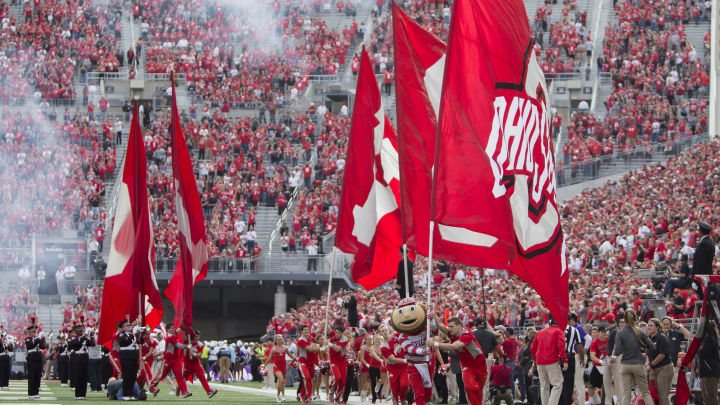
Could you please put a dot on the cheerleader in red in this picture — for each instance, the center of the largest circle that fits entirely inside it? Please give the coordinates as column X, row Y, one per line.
column 396, row 366
column 277, row 357
column 364, row 359
column 321, row 378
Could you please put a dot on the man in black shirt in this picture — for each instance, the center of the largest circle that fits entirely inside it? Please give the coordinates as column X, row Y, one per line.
column 676, row 334
column 128, row 355
column 659, row 362
column 678, row 302
column 63, row 360
column 705, row 251
column 678, row 278
column 6, row 349
column 34, row 346
column 79, row 360
column 488, row 343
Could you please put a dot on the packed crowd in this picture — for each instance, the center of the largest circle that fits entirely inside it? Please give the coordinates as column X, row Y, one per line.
column 41, row 53
column 17, row 309
column 52, row 174
column 608, row 238
column 659, row 83
column 242, row 164
column 220, row 49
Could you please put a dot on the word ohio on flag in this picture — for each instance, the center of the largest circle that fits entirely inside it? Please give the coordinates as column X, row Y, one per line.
column 494, row 199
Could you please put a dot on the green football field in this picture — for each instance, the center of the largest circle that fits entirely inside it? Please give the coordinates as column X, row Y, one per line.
column 53, row 393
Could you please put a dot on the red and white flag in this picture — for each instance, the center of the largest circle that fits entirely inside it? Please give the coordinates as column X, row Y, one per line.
column 494, row 199
column 369, row 219
column 419, row 67
column 130, row 272
column 193, row 264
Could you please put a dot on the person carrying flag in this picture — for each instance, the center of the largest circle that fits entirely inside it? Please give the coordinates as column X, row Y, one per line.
column 173, row 362
column 193, row 367
column 307, row 352
column 472, row 359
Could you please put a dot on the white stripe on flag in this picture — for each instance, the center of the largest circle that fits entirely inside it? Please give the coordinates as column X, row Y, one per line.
column 465, row 236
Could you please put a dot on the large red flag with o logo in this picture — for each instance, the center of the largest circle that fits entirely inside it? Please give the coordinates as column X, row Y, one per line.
column 494, row 199
column 419, row 67
column 369, row 219
column 130, row 272
column 193, row 264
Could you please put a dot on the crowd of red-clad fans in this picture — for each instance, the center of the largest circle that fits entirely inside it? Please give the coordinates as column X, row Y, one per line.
column 51, row 174
column 241, row 164
column 20, row 309
column 17, row 308
column 53, row 40
column 654, row 222
column 230, row 59
column 660, row 83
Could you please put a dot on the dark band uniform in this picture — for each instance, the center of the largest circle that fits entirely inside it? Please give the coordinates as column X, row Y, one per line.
column 34, row 347
column 5, row 363
column 78, row 346
column 129, row 358
column 63, row 362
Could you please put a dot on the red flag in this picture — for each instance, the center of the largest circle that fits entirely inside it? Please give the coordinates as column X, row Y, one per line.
column 369, row 220
column 682, row 390
column 494, row 199
column 419, row 67
column 193, row 264
column 130, row 269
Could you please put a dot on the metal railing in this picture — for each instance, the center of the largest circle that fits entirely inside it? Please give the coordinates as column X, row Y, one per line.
column 564, row 76
column 285, row 262
column 324, row 78
column 621, row 161
column 95, row 77
column 605, row 78
column 165, row 77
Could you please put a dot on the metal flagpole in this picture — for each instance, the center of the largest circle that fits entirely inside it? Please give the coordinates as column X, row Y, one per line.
column 405, row 263
column 482, row 286
column 327, row 305
column 429, row 273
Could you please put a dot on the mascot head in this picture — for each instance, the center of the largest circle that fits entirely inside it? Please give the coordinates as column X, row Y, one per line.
column 409, row 317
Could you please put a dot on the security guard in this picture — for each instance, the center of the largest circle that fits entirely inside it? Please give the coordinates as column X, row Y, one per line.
column 34, row 345
column 6, row 349
column 63, row 359
column 129, row 356
column 78, row 345
column 705, row 252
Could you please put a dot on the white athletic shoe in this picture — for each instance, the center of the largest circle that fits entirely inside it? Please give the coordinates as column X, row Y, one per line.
column 283, row 398
column 277, row 399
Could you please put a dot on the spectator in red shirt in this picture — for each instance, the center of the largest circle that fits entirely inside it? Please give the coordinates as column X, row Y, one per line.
column 501, row 379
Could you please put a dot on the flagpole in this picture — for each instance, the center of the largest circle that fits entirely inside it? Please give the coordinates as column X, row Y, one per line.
column 327, row 305
column 429, row 273
column 405, row 263
column 482, row 286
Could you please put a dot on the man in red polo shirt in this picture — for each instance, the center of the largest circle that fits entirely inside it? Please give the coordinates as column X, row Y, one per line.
column 173, row 361
column 548, row 350
column 472, row 359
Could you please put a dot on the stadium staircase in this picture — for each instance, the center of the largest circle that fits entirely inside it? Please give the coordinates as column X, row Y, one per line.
column 51, row 316
column 16, row 11
column 696, row 36
column 531, row 7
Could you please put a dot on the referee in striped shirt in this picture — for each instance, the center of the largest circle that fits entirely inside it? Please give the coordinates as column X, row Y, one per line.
column 573, row 345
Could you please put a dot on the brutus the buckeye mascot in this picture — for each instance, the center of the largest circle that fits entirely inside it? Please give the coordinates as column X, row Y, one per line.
column 410, row 321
